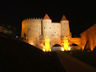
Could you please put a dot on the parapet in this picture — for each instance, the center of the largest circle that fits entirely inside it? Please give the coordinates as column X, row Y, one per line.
column 32, row 19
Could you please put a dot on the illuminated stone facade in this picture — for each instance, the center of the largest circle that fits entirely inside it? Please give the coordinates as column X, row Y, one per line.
column 44, row 32
column 34, row 31
column 88, row 38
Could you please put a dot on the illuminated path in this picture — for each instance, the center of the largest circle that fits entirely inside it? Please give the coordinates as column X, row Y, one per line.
column 71, row 64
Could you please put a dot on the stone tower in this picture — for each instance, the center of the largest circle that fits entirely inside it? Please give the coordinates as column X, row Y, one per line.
column 46, row 23
column 65, row 29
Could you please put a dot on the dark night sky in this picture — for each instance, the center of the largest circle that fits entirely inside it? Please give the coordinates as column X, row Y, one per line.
column 80, row 14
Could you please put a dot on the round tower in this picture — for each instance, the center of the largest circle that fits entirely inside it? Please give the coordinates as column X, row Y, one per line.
column 46, row 26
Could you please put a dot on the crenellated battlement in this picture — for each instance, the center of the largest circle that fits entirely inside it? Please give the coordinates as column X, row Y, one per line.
column 32, row 19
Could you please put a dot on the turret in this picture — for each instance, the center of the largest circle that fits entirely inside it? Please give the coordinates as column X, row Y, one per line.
column 46, row 17
column 63, row 18
column 46, row 24
column 65, row 29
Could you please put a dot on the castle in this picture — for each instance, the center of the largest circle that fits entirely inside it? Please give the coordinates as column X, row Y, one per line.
column 35, row 31
column 43, row 33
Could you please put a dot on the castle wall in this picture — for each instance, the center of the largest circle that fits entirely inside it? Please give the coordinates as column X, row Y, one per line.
column 56, row 30
column 33, row 30
column 24, row 28
column 56, row 33
column 38, row 30
column 83, row 40
column 89, row 37
column 52, row 31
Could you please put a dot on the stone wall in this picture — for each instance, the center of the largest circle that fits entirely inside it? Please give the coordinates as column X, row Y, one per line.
column 32, row 29
column 88, row 37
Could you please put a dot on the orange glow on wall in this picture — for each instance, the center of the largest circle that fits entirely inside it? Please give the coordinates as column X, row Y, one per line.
column 47, row 44
column 89, row 38
column 44, row 49
column 62, row 49
column 66, row 45
column 31, row 42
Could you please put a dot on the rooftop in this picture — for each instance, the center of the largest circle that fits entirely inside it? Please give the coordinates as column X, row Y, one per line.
column 46, row 16
column 63, row 18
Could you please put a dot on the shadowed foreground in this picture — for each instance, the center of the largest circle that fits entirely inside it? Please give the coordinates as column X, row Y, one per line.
column 74, row 65
column 18, row 56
